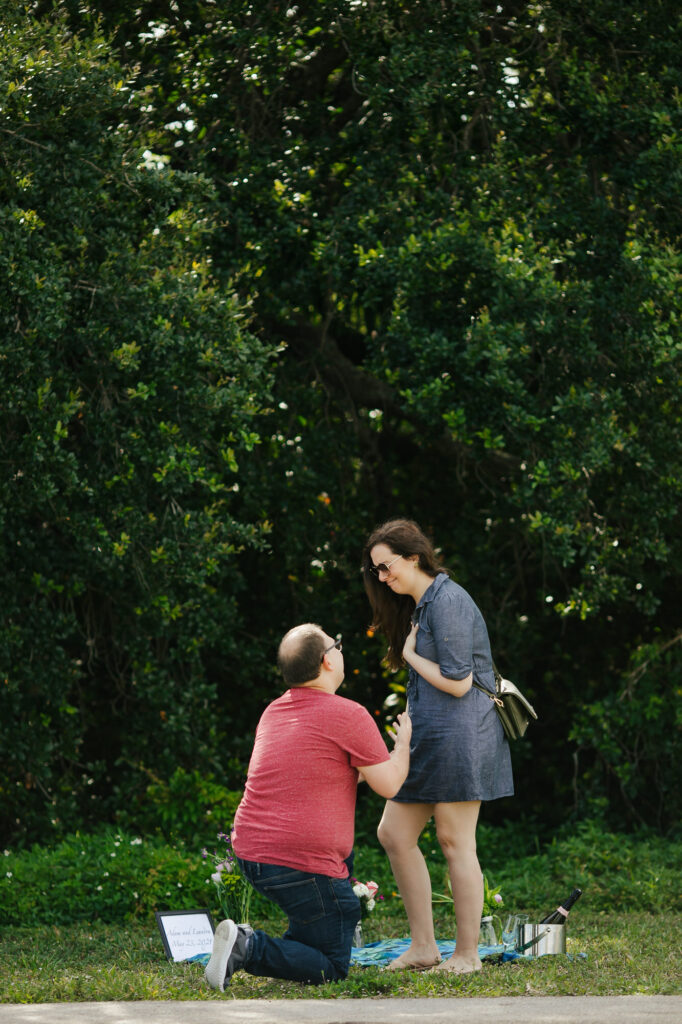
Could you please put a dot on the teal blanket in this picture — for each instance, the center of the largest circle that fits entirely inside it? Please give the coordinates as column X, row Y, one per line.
column 378, row 954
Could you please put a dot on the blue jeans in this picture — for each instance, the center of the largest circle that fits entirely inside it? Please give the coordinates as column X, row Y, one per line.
column 322, row 914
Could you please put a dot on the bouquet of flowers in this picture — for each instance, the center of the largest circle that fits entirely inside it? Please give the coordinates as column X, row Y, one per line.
column 492, row 899
column 368, row 894
column 232, row 889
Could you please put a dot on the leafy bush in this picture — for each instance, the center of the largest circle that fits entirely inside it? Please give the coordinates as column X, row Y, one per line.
column 629, row 741
column 472, row 281
column 132, row 396
column 190, row 806
column 110, row 876
column 616, row 872
column 115, row 876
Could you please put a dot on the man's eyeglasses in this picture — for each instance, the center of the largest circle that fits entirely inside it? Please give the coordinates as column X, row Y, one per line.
column 383, row 566
column 337, row 644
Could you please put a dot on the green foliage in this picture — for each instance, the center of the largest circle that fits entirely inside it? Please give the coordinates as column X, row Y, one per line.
column 632, row 737
column 624, row 954
column 233, row 892
column 117, row 876
column 452, row 217
column 189, row 807
column 616, row 872
column 459, row 227
column 110, row 876
column 492, row 902
column 132, row 394
column 492, row 898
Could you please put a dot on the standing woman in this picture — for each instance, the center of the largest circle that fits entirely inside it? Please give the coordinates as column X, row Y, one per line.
column 459, row 754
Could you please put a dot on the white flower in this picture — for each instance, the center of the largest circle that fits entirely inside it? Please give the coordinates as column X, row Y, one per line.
column 215, row 877
column 365, row 892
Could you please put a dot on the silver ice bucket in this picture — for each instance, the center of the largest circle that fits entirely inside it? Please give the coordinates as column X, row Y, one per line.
column 539, row 939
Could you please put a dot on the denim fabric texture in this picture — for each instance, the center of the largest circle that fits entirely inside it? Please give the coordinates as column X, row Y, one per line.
column 458, row 749
column 322, row 914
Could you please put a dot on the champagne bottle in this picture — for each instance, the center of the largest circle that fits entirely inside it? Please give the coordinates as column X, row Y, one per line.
column 559, row 915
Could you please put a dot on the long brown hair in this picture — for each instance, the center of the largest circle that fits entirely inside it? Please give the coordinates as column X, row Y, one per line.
column 391, row 612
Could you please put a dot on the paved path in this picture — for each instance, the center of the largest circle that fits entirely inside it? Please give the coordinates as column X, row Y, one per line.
column 506, row 1010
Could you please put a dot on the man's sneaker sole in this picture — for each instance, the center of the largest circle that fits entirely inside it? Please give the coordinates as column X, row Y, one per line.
column 223, row 944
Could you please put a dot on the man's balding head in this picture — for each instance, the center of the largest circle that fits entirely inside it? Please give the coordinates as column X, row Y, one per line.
column 300, row 653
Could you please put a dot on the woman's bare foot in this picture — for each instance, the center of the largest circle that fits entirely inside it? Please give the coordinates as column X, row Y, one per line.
column 459, row 965
column 415, row 959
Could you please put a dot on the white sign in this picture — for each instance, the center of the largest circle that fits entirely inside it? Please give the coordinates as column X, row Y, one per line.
column 185, row 933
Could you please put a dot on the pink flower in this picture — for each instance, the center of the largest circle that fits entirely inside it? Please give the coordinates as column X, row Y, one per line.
column 373, row 888
column 497, row 897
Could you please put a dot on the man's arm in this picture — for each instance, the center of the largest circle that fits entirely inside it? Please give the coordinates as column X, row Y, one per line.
column 387, row 778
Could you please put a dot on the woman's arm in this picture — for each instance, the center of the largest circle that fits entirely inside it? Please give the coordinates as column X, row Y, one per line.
column 430, row 671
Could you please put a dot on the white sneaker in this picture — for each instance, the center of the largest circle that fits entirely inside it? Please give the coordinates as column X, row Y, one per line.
column 230, row 946
column 223, row 943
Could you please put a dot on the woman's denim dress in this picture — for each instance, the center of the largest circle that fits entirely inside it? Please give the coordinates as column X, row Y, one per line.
column 458, row 750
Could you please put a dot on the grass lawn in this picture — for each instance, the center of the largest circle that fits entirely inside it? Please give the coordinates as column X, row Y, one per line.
column 625, row 954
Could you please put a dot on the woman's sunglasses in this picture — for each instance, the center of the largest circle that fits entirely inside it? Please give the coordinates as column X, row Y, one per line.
column 383, row 566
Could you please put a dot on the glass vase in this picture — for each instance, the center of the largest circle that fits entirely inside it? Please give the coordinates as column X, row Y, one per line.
column 486, row 935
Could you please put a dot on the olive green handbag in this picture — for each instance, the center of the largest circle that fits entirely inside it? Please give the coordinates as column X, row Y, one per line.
column 514, row 711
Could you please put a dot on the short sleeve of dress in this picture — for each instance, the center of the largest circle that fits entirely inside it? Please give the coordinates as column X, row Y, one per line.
column 451, row 619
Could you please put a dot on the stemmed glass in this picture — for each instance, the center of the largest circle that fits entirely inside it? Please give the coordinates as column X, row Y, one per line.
column 511, row 930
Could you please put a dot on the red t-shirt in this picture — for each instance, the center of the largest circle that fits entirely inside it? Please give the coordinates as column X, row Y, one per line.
column 298, row 807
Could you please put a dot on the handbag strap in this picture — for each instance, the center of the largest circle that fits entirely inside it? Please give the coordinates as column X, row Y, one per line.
column 486, row 691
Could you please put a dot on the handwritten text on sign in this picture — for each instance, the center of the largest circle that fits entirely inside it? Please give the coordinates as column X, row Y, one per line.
column 188, row 935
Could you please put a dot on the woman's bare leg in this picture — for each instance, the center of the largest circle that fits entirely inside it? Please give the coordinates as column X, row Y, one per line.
column 456, row 830
column 399, row 829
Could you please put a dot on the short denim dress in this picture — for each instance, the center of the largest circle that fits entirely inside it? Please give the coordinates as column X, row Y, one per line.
column 459, row 750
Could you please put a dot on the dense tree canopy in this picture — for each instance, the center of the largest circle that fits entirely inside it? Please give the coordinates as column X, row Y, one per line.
column 458, row 225
column 130, row 392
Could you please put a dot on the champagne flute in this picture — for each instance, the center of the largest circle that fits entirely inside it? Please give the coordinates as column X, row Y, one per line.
column 512, row 929
column 509, row 931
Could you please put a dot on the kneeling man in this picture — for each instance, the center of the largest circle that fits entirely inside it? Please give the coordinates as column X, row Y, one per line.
column 293, row 830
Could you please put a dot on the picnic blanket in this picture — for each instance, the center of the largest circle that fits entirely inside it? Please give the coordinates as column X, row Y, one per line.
column 379, row 954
